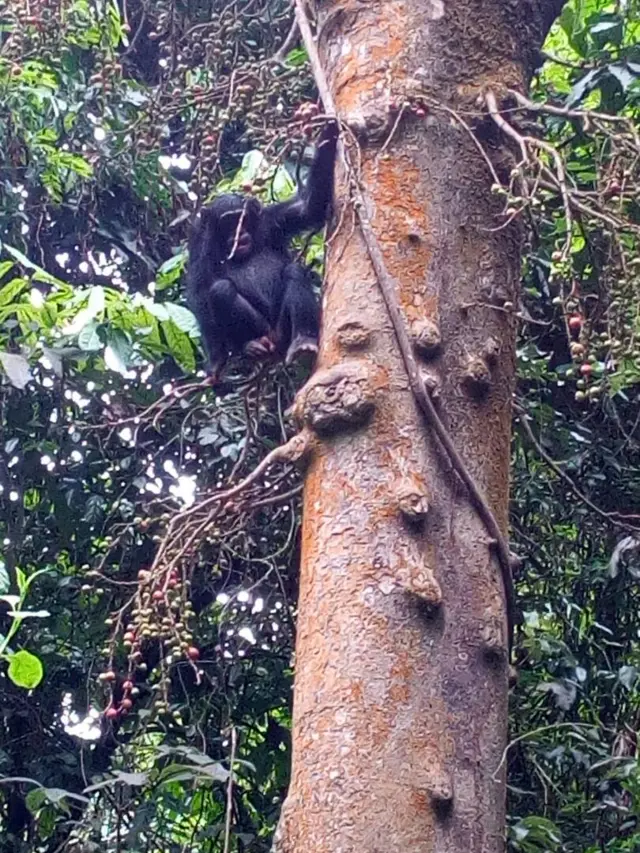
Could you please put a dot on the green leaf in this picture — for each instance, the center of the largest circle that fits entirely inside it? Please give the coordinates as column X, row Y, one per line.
column 252, row 163
column 170, row 271
column 607, row 31
column 55, row 359
column 121, row 346
column 5, row 266
column 12, row 289
column 627, row 676
column 40, row 796
column 567, row 20
column 135, row 97
column 183, row 318
column 297, row 57
column 185, row 773
column 208, row 435
column 17, row 369
column 180, row 346
column 39, row 273
column 96, row 302
column 585, row 85
column 21, row 579
column 133, row 779
column 604, row 26
column 35, row 800
column 156, row 309
column 541, row 835
column 25, row 670
column 88, row 339
column 75, row 164
column 94, row 509
column 622, row 75
column 25, row 582
column 46, row 136
column 574, row 30
column 283, row 185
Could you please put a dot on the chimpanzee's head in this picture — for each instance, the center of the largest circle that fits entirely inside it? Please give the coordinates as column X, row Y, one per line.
column 231, row 226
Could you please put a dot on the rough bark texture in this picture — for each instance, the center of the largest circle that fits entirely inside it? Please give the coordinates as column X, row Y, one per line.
column 400, row 711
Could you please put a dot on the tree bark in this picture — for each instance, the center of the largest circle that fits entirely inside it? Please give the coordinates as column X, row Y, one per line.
column 400, row 710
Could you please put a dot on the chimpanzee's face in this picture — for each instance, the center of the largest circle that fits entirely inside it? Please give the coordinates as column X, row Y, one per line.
column 232, row 222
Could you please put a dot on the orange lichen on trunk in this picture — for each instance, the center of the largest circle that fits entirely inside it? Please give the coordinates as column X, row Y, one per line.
column 401, row 667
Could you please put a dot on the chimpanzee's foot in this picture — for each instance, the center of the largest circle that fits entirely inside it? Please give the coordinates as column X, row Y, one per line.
column 302, row 349
column 215, row 370
column 260, row 347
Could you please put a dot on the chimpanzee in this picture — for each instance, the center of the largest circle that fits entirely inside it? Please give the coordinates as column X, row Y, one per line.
column 243, row 287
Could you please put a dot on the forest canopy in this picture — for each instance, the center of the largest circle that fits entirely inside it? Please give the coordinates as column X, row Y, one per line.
column 148, row 576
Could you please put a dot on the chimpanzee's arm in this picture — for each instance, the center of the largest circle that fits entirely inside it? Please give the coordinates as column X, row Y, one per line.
column 200, row 279
column 309, row 208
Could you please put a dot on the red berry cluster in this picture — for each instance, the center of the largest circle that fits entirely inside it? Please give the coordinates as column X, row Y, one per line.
column 305, row 113
column 161, row 612
column 114, row 710
column 415, row 105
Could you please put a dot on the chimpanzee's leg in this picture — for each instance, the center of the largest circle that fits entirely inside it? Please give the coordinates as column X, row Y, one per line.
column 245, row 329
column 215, row 347
column 299, row 322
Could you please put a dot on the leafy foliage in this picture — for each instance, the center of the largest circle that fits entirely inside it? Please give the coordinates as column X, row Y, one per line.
column 573, row 770
column 99, row 449
column 124, row 711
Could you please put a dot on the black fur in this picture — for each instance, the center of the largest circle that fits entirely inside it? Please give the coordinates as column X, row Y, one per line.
column 243, row 287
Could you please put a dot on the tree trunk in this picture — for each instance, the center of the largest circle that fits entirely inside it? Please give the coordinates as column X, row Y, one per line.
column 400, row 711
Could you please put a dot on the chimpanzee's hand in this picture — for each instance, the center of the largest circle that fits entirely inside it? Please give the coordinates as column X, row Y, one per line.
column 260, row 347
column 330, row 132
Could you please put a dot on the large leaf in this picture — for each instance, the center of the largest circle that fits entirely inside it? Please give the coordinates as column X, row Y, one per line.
column 12, row 289
column 88, row 339
column 180, row 346
column 39, row 274
column 584, row 85
column 170, row 271
column 17, row 369
column 252, row 163
column 40, row 796
column 25, row 669
column 183, row 318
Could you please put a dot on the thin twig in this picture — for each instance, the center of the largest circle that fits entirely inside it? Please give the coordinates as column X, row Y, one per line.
column 566, row 112
column 287, row 44
column 288, row 452
column 621, row 520
column 533, row 733
column 523, row 143
column 457, row 117
column 279, row 498
column 229, row 814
